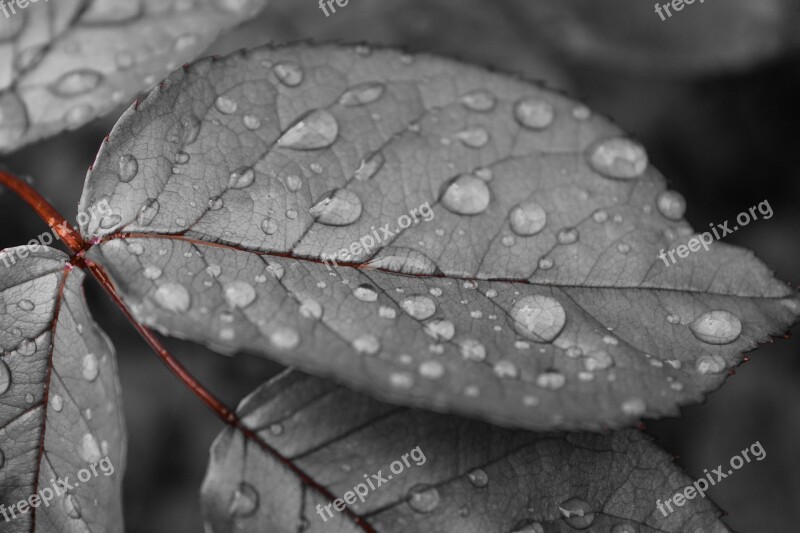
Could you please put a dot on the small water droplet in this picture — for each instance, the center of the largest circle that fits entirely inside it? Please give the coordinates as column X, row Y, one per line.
column 294, row 183
column 173, row 297
column 423, row 498
column 623, row 248
column 472, row 350
column 276, row 269
column 342, row 208
column 368, row 344
column 26, row 305
column 440, row 329
column 431, row 370
column 318, row 129
column 370, row 167
column 89, row 449
column 634, row 407
column 479, row 100
column 671, row 204
column 419, row 307
column 225, row 104
column 365, row 293
column 57, row 403
column 216, row 203
column 362, row 94
column 239, row 294
column 567, row 236
column 716, row 327
column 269, row 226
column 527, row 219
column 617, row 158
column 185, row 41
column 710, row 364
column 545, row 263
column 599, row 360
column 600, row 216
column 311, row 309
column 466, row 195
column 533, row 113
column 152, row 272
column 577, row 513
column 78, row 116
column 76, row 83
column 388, row 313
column 473, row 137
column 241, row 178
column 26, row 347
column 181, row 158
column 251, row 122
column 148, row 212
column 90, row 367
column 5, row 377
column 478, row 477
column 539, row 318
column 285, row 338
column 128, row 168
column 401, row 380
column 244, row 502
column 506, row 370
column 289, row 74
column 551, row 380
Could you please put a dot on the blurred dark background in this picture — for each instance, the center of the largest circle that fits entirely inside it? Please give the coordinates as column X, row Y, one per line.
column 711, row 92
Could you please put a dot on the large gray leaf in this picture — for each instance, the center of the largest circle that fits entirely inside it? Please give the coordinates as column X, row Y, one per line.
column 64, row 62
column 530, row 294
column 462, row 476
column 60, row 409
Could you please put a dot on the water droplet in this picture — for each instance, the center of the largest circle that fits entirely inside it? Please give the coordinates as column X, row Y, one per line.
column 173, row 297
column 311, row 309
column 671, row 204
column 599, row 360
column 710, row 364
column 316, row 168
column 251, row 122
column 473, row 137
column 440, row 329
column 239, row 294
column 534, row 113
column 368, row 344
column 624, row 528
column 419, row 307
column 318, row 129
column 403, row 260
column 527, row 219
column 181, row 158
column 241, row 178
column 90, row 367
column 538, row 318
column 29, row 398
column 466, row 195
column 185, row 41
column 600, row 216
column 577, row 513
column 285, row 338
column 148, row 212
column 128, row 168
column 567, row 236
column 26, row 347
column 244, row 501
column 431, row 370
column 191, row 129
column 716, row 327
column 152, row 272
column 340, row 209
column 551, row 380
column 388, row 313
column 423, row 498
column 623, row 247
column 89, row 449
column 294, row 183
column 545, row 263
column 506, row 370
column 5, row 377
column 479, row 100
column 291, row 214
column 276, row 429
column 269, row 226
column 617, row 158
column 401, row 380
column 276, row 269
column 71, row 506
column 528, row 526
column 289, row 74
column 478, row 477
column 365, row 293
column 225, row 104
column 634, row 407
column 57, row 403
column 582, row 112
column 76, row 83
column 26, row 305
column 370, row 167
column 472, row 350
column 216, row 203
column 362, row 94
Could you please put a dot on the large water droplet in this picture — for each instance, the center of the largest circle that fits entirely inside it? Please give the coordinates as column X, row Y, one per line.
column 26, row 305
column 671, row 204
column 577, row 513
column 269, row 226
column 423, row 498
column 191, row 129
column 419, row 307
column 5, row 377
column 241, row 178
column 533, row 113
column 89, row 449
column 365, row 293
column 478, row 477
column 440, row 329
column 527, row 219
column 539, row 318
column 617, row 158
column 76, row 82
column 225, row 104
column 244, row 501
column 716, row 327
column 466, row 195
column 710, row 364
column 341, row 208
column 173, row 297
column 479, row 100
column 289, row 74
column 472, row 350
column 239, row 294
column 370, row 167
column 148, row 212
column 362, row 94
column 26, row 347
column 128, row 168
column 318, row 129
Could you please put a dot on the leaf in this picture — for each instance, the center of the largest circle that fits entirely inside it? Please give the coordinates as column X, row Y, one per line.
column 286, row 156
column 60, row 410
column 461, row 475
column 66, row 62
column 702, row 37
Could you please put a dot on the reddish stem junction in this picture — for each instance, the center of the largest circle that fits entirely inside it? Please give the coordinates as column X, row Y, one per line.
column 78, row 248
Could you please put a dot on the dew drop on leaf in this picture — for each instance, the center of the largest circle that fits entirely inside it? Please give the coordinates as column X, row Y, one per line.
column 239, row 294
column 26, row 347
column 173, row 297
column 285, row 338
column 567, row 236
column 57, row 403
column 368, row 344
column 479, row 100
column 365, row 293
column 241, row 178
column 78, row 115
column 533, row 113
column 472, row 350
column 473, row 137
column 539, row 318
column 26, row 305
column 671, row 204
column 244, row 502
column 551, row 380
column 225, row 104
column 289, row 74
column 216, row 203
column 423, row 498
column 5, row 377
column 251, row 122
column 90, row 367
column 342, row 208
column 527, row 219
column 710, row 364
column 401, row 380
column 466, row 195
column 152, row 272
column 76, row 83
column 185, row 41
column 181, row 158
column 370, row 167
column 89, row 449
column 387, row 312
column 294, row 183
column 128, row 168
column 318, row 129
column 577, row 513
column 148, row 212
column 362, row 94
column 419, row 307
column 311, row 309
column 716, row 327
column 505, row 370
column 440, row 329
column 269, row 226
column 634, row 407
column 431, row 370
column 617, row 158
column 478, row 477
